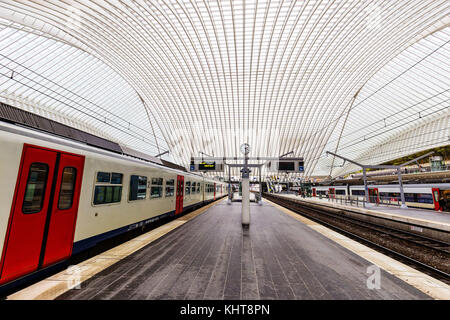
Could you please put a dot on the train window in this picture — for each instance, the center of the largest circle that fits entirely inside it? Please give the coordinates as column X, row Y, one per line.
column 198, row 187
column 436, row 196
column 35, row 190
column 385, row 196
column 99, row 196
column 104, row 177
column 410, row 197
column 342, row 192
column 424, row 198
column 116, row 178
column 106, row 191
column 117, row 194
column 187, row 188
column 67, row 189
column 170, row 189
column 107, row 194
column 138, row 188
column 156, row 192
column 156, row 188
column 157, row 181
column 358, row 192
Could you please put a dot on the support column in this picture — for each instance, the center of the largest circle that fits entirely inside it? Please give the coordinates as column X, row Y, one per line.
column 366, row 189
column 246, row 196
column 402, row 193
column 260, row 187
column 245, row 202
column 229, row 186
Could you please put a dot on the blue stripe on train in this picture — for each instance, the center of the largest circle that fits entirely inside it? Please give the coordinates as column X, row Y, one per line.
column 85, row 244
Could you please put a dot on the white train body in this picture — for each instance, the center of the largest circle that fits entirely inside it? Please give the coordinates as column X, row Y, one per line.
column 93, row 221
column 416, row 195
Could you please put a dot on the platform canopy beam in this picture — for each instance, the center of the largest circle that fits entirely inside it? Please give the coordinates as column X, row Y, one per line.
column 397, row 167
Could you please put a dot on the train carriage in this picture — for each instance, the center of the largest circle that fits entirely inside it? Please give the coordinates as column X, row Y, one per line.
column 333, row 192
column 60, row 197
column 427, row 196
column 416, row 195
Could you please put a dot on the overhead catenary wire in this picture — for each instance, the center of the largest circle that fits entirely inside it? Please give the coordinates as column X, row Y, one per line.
column 128, row 132
column 67, row 90
column 210, row 69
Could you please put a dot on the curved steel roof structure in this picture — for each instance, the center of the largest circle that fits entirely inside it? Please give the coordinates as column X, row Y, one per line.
column 358, row 78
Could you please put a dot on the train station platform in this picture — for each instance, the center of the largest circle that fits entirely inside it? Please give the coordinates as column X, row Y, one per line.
column 421, row 217
column 280, row 256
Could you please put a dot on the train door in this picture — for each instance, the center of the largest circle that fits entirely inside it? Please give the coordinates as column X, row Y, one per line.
column 435, row 192
column 373, row 195
column 180, row 195
column 332, row 193
column 215, row 188
column 314, row 192
column 43, row 215
column 61, row 228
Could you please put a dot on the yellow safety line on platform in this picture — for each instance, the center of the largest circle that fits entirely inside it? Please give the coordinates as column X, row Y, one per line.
column 64, row 281
column 432, row 287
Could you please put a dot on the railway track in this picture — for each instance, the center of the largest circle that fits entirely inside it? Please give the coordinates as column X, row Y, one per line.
column 355, row 229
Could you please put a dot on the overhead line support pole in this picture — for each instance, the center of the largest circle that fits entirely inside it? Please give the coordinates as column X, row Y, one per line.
column 397, row 167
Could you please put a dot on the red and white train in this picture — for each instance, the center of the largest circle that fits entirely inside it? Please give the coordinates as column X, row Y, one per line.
column 59, row 197
column 416, row 195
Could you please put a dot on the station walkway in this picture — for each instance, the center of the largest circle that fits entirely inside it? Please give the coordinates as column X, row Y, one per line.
column 212, row 257
column 430, row 218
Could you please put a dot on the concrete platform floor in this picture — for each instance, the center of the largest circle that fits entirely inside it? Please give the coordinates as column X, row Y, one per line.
column 211, row 257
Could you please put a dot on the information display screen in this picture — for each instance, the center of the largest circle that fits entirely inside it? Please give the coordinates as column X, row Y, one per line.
column 286, row 166
column 204, row 166
column 301, row 166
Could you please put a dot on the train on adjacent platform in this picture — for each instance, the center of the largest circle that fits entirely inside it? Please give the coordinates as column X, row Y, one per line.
column 427, row 196
column 60, row 197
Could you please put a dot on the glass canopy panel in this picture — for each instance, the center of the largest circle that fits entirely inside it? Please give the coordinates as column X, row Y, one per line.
column 74, row 84
column 280, row 75
column 412, row 89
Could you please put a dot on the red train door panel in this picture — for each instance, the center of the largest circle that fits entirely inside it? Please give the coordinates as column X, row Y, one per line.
column 314, row 192
column 32, row 213
column 23, row 243
column 180, row 195
column 373, row 195
column 331, row 193
column 435, row 193
column 67, row 189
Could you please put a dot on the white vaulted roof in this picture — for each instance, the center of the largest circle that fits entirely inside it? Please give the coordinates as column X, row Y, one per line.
column 353, row 77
